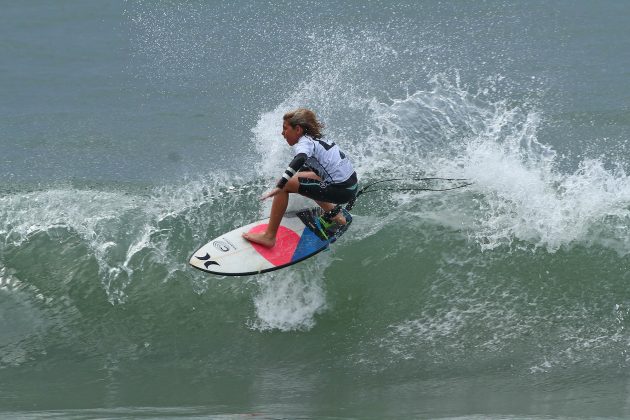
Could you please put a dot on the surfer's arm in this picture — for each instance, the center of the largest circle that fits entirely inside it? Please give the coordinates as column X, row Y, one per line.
column 291, row 170
column 270, row 194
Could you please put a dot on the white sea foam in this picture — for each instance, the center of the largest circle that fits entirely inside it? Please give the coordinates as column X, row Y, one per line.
column 521, row 195
column 289, row 300
column 114, row 225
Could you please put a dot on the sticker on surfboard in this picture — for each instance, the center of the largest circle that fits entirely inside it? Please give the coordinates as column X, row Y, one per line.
column 299, row 237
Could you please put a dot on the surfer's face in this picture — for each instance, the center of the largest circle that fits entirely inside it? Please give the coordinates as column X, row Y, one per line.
column 291, row 134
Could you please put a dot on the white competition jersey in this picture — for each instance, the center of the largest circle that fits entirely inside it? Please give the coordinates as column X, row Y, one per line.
column 330, row 163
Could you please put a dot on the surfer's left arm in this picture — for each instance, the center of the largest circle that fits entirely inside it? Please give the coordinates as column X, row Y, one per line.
column 270, row 193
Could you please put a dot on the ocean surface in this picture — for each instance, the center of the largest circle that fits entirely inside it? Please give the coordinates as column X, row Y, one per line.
column 132, row 132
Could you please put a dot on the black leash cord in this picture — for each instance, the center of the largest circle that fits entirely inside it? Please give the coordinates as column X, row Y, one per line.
column 365, row 189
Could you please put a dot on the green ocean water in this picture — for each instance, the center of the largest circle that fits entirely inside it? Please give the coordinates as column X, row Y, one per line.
column 131, row 132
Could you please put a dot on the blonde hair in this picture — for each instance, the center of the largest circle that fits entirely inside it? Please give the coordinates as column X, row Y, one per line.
column 306, row 119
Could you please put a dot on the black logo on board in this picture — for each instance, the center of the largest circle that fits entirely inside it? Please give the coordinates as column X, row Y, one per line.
column 208, row 261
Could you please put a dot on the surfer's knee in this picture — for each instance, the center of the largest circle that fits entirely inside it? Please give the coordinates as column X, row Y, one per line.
column 292, row 186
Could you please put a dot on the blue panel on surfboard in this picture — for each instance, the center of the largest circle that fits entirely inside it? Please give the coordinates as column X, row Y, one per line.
column 309, row 244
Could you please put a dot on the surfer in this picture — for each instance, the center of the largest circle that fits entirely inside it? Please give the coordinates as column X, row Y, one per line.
column 324, row 174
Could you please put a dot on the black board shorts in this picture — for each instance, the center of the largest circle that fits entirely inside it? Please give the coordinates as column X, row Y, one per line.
column 339, row 193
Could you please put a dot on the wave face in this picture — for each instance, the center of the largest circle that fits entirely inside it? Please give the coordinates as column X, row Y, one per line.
column 511, row 290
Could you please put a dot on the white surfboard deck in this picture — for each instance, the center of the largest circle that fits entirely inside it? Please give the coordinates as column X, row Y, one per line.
column 232, row 255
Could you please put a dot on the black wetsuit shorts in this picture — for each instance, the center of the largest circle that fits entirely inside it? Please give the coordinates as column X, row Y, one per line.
column 339, row 193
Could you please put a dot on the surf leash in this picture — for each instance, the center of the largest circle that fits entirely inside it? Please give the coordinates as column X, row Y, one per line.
column 368, row 188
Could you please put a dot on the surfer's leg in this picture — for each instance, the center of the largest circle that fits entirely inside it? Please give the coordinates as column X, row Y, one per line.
column 311, row 188
column 278, row 208
column 339, row 218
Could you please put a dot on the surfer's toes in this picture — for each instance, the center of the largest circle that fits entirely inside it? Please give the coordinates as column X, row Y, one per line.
column 260, row 239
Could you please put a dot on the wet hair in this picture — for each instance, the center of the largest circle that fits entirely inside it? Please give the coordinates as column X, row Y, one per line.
column 306, row 119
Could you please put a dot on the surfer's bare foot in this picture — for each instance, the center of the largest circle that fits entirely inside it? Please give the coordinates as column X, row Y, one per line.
column 261, row 239
column 339, row 219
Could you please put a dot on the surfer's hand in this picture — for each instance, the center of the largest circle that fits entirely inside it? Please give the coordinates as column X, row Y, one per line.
column 270, row 194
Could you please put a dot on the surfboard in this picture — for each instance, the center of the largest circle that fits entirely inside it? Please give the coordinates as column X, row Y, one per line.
column 300, row 236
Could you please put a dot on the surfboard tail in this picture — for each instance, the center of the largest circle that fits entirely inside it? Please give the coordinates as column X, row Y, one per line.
column 325, row 230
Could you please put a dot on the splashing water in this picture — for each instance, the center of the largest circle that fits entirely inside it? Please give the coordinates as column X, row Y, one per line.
column 290, row 300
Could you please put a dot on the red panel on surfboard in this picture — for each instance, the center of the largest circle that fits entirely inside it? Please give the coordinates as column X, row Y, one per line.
column 282, row 252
